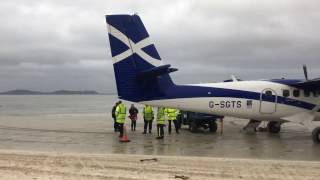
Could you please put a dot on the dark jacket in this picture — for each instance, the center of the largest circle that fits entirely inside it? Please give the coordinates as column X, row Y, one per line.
column 133, row 111
column 113, row 112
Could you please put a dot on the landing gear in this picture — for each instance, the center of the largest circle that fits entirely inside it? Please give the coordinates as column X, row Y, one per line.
column 316, row 135
column 193, row 127
column 252, row 126
column 213, row 127
column 274, row 127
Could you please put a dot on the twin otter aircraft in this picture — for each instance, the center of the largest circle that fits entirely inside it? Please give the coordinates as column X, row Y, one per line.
column 142, row 77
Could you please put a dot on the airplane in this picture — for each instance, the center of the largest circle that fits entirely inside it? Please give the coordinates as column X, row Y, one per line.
column 142, row 77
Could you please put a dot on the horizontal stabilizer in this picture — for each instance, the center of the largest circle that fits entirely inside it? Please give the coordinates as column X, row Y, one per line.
column 156, row 71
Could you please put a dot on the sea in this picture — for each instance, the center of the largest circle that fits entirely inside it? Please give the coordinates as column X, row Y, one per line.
column 37, row 105
column 65, row 123
column 68, row 112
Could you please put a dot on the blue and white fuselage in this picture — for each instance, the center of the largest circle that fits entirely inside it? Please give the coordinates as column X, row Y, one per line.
column 141, row 76
column 244, row 99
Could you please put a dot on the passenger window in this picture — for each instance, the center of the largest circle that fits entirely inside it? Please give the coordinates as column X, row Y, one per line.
column 296, row 93
column 286, row 93
column 306, row 93
column 269, row 93
column 315, row 94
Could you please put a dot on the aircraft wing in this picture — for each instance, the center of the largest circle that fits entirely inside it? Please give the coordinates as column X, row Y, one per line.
column 304, row 118
column 313, row 84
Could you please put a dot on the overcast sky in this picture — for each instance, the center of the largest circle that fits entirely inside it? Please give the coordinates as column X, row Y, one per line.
column 56, row 44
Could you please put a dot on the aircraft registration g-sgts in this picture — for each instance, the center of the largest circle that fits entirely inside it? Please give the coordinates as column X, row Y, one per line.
column 142, row 77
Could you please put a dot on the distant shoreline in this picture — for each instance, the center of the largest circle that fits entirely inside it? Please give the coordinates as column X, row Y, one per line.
column 59, row 92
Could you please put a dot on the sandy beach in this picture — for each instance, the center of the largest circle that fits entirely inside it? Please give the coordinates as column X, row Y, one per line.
column 78, row 142
column 45, row 165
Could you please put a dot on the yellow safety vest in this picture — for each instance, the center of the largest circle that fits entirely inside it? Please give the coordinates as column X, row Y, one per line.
column 160, row 115
column 121, row 113
column 172, row 114
column 148, row 113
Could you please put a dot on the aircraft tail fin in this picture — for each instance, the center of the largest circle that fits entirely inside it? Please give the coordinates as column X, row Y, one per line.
column 139, row 71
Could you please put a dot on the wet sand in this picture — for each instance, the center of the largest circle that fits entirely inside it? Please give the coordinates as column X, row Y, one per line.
column 93, row 133
column 44, row 165
column 84, row 146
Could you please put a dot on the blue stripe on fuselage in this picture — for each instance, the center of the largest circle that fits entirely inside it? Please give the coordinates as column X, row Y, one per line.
column 185, row 91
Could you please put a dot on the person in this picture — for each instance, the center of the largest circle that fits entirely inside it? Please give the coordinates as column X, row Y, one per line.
column 133, row 111
column 148, row 117
column 160, row 122
column 120, row 113
column 172, row 116
column 113, row 113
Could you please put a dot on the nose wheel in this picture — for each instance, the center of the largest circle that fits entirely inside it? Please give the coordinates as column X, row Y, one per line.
column 274, row 127
column 316, row 135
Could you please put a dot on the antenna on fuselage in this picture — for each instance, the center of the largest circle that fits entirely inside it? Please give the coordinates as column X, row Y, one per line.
column 234, row 78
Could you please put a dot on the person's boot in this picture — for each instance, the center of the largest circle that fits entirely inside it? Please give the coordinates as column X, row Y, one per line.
column 144, row 132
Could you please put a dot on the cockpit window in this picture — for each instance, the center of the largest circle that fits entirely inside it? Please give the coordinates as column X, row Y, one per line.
column 286, row 93
column 296, row 93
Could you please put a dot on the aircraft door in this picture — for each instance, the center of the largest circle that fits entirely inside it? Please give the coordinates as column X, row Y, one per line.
column 268, row 101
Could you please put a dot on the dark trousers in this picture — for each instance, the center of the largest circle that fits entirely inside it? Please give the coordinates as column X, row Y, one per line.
column 175, row 126
column 120, row 127
column 146, row 123
column 133, row 125
column 160, row 130
column 115, row 125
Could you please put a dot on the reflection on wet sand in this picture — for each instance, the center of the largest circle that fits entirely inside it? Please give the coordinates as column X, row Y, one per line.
column 94, row 134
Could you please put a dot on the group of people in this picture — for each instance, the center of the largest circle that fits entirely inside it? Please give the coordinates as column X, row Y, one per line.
column 119, row 116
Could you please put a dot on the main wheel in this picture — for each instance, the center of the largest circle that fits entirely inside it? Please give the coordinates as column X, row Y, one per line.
column 213, row 126
column 316, row 135
column 274, row 127
column 193, row 127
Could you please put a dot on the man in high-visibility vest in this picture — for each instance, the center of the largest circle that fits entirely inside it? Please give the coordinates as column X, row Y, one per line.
column 172, row 113
column 160, row 122
column 113, row 113
column 148, row 117
column 120, row 113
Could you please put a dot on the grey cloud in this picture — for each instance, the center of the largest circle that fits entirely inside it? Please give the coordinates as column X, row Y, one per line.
column 57, row 44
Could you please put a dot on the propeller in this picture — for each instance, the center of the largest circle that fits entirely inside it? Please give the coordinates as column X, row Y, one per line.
column 305, row 72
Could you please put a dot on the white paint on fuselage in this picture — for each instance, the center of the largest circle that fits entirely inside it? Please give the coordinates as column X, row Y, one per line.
column 259, row 86
column 254, row 112
column 202, row 105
